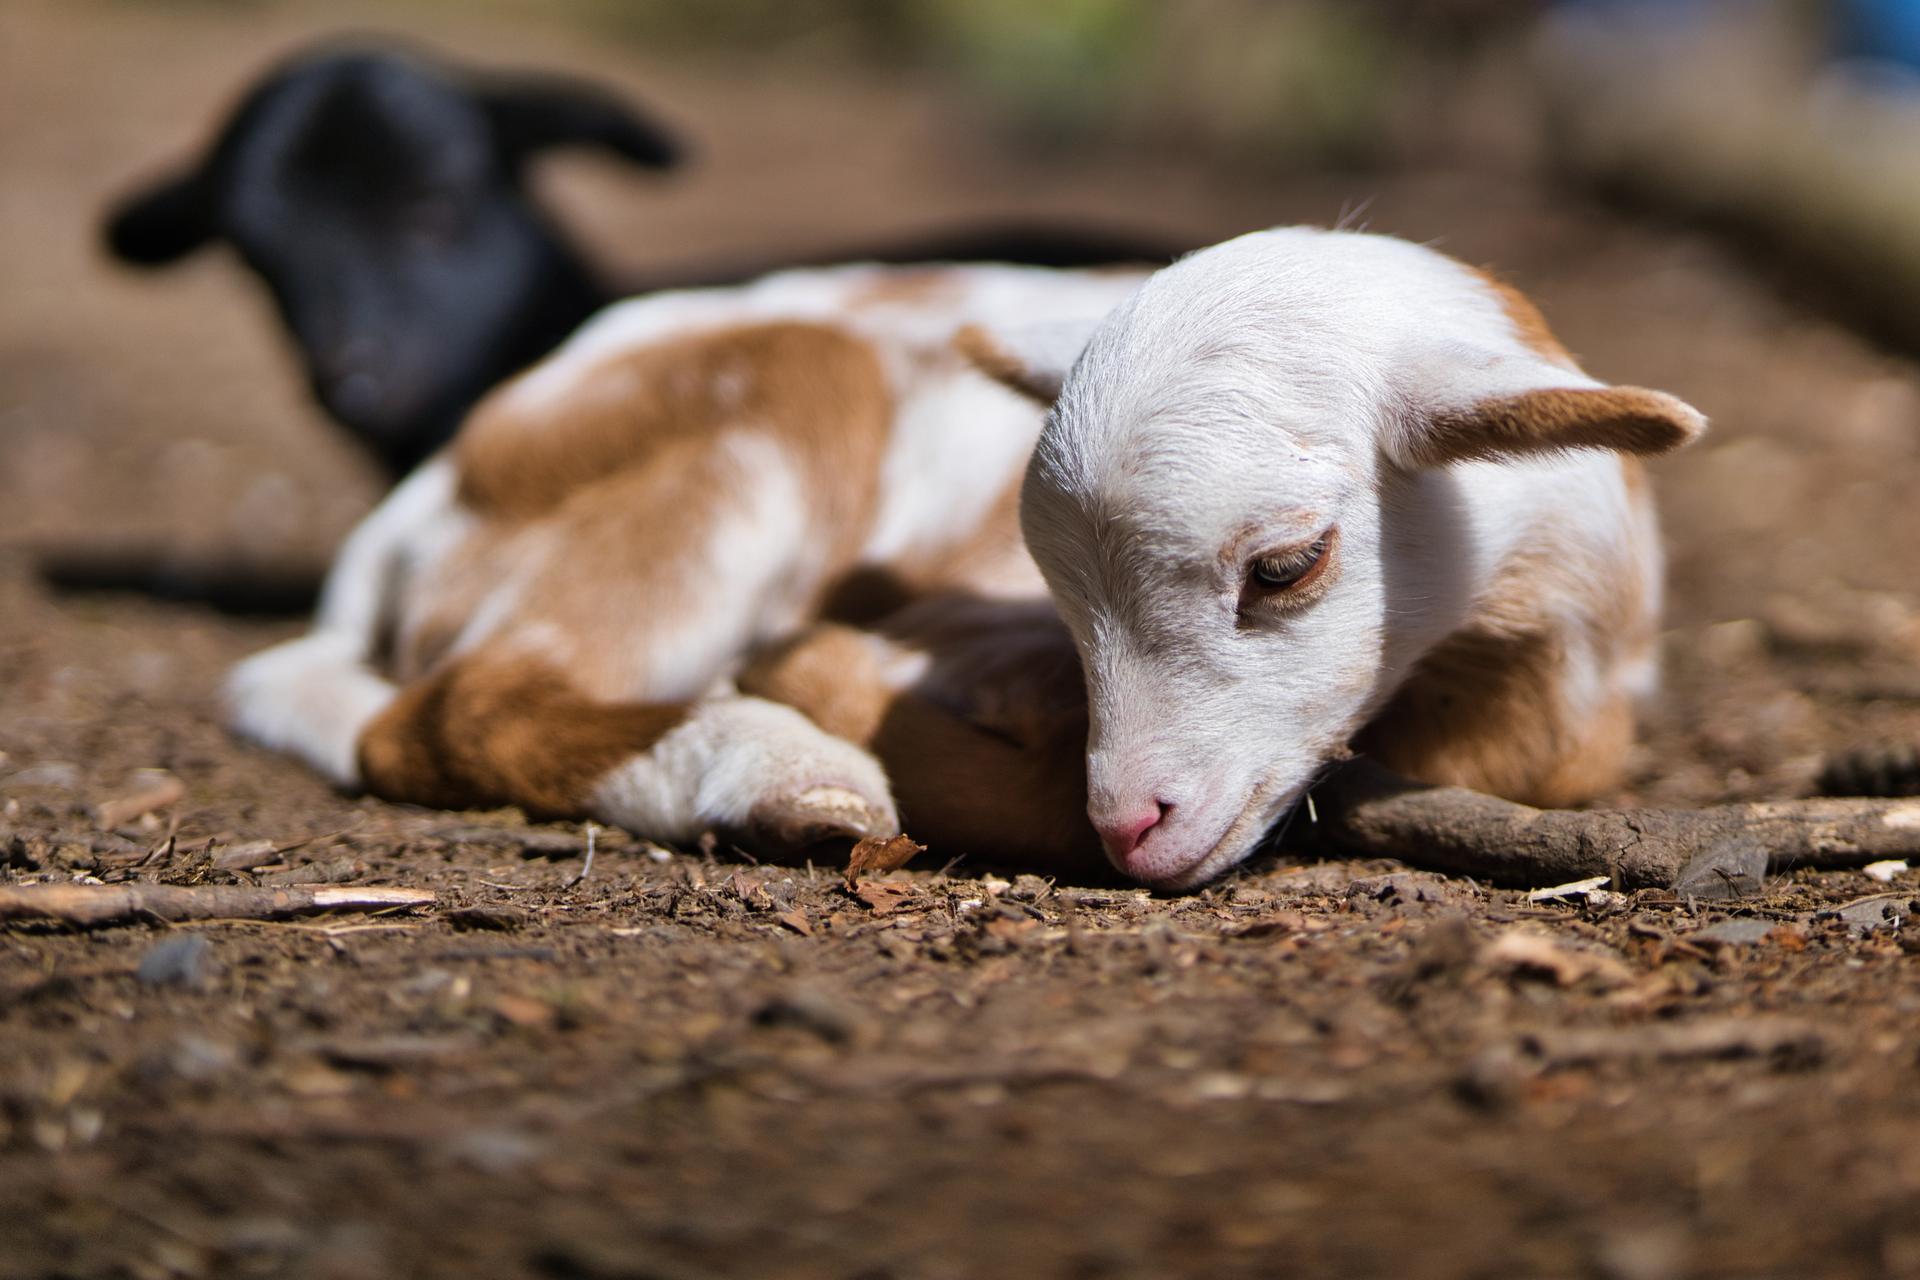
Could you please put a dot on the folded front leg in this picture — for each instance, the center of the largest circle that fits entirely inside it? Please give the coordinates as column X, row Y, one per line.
column 977, row 711
column 515, row 732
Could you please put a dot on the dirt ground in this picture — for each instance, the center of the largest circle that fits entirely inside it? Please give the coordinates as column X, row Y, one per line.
column 686, row 1065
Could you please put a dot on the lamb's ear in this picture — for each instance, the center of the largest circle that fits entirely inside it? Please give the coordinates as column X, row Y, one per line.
column 162, row 223
column 1551, row 418
column 1030, row 359
column 1513, row 389
column 534, row 112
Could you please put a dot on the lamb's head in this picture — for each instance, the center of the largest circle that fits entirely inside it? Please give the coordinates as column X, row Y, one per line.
column 1241, row 505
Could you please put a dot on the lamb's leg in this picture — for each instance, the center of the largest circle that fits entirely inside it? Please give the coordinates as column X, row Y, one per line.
column 513, row 732
column 312, row 697
column 983, row 736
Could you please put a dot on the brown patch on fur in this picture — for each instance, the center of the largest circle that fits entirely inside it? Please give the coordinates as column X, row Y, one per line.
column 986, row 753
column 1625, row 419
column 970, row 790
column 476, row 733
column 979, row 349
column 829, row 673
column 812, row 385
column 1487, row 709
column 1528, row 324
column 603, row 505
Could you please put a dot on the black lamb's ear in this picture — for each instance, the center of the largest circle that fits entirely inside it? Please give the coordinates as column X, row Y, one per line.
column 163, row 223
column 531, row 113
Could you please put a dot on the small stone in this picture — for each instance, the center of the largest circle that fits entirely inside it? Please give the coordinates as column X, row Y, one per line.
column 526, row 1012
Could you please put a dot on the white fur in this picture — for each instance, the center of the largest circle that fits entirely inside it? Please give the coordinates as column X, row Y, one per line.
column 311, row 698
column 733, row 755
column 1250, row 397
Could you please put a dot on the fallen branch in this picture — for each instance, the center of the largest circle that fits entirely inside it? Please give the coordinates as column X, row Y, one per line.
column 1721, row 851
column 86, row 905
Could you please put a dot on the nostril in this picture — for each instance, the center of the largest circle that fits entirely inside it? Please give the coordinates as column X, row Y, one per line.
column 1122, row 836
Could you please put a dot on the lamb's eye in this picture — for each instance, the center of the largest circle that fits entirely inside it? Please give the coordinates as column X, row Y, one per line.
column 1291, row 569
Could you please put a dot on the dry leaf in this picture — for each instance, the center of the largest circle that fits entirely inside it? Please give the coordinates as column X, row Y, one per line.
column 876, row 855
column 152, row 789
column 884, row 897
column 797, row 921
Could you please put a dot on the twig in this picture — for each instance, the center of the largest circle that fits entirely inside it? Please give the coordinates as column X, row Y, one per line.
column 1719, row 851
column 87, row 905
column 155, row 789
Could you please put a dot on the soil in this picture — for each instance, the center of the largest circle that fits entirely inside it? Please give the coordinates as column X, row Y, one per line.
column 687, row 1065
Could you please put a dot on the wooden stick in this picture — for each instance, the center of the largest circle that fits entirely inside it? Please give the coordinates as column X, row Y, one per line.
column 86, row 905
column 1721, row 851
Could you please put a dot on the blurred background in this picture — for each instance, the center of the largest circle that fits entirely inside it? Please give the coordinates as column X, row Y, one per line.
column 1720, row 200
column 1715, row 197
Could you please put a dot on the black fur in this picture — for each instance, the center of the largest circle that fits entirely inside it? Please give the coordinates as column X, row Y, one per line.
column 380, row 197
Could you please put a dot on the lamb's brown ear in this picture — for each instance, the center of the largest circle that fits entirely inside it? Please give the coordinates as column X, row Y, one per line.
column 1500, row 385
column 1550, row 418
column 1032, row 362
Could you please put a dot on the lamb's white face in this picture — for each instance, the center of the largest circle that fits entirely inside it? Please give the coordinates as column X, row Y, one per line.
column 1222, row 578
column 1228, row 607
column 1239, row 507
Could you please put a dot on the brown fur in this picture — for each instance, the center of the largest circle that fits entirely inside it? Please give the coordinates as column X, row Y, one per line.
column 812, row 385
column 985, row 754
column 1528, row 324
column 612, row 493
column 829, row 673
column 1486, row 709
column 1627, row 419
column 514, row 733
column 979, row 349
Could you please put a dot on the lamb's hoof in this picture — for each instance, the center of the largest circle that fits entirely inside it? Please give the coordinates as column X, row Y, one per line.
column 803, row 818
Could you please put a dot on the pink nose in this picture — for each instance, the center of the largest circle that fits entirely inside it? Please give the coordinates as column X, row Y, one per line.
column 1122, row 837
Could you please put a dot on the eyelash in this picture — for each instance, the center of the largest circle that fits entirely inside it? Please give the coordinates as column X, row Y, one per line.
column 1296, row 569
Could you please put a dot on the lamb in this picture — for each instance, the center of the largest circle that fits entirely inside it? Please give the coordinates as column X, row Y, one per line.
column 743, row 560
column 751, row 560
column 1308, row 491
